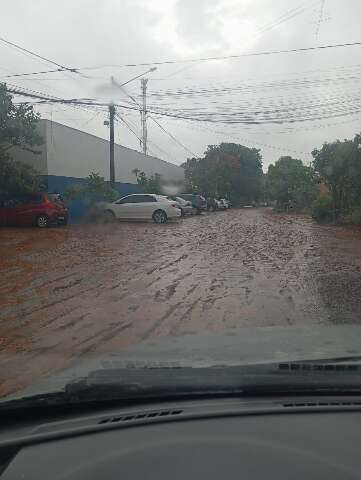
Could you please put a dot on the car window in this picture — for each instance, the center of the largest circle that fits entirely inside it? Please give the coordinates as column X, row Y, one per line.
column 150, row 198
column 145, row 199
column 124, row 200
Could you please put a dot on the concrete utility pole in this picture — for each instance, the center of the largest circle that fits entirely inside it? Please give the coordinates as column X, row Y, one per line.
column 112, row 115
column 111, row 144
column 144, row 82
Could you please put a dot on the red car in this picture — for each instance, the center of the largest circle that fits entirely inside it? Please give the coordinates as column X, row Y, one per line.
column 39, row 209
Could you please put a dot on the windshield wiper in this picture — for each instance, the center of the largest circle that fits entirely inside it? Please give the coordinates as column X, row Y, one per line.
column 309, row 377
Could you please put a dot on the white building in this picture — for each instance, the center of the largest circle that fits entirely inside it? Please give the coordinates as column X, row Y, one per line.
column 69, row 155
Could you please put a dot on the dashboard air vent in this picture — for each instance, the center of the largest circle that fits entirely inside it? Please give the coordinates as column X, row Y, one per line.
column 140, row 416
column 322, row 404
column 332, row 367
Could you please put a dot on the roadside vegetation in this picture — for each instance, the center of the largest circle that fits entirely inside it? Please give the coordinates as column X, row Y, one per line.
column 18, row 129
column 291, row 184
column 329, row 188
column 94, row 190
column 152, row 184
column 226, row 170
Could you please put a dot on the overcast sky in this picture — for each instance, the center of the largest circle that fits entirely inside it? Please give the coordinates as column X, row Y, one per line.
column 87, row 33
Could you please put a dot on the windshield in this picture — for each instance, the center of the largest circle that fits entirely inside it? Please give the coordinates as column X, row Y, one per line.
column 245, row 116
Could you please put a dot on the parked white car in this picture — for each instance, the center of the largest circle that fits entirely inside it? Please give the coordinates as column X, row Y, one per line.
column 141, row 207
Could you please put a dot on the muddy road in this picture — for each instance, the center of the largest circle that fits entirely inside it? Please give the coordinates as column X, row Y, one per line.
column 86, row 290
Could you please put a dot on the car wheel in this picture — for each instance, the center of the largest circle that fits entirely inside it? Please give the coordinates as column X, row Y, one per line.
column 42, row 221
column 159, row 216
column 109, row 216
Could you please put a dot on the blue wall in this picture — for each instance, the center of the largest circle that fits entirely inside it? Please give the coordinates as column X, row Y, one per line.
column 54, row 183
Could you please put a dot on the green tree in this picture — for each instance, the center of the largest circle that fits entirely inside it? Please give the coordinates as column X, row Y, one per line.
column 338, row 165
column 18, row 128
column 227, row 169
column 96, row 189
column 152, row 184
column 289, row 181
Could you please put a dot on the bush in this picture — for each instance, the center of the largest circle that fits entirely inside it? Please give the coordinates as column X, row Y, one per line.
column 355, row 216
column 96, row 189
column 323, row 210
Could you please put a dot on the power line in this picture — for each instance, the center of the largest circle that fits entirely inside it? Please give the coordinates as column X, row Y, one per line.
column 288, row 15
column 251, row 118
column 35, row 73
column 284, row 17
column 226, row 57
column 138, row 137
column 252, row 87
column 129, row 127
column 25, row 50
column 320, row 19
column 247, row 140
column 173, row 137
column 272, row 52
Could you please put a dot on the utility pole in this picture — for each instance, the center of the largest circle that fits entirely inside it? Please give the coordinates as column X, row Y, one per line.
column 144, row 82
column 111, row 144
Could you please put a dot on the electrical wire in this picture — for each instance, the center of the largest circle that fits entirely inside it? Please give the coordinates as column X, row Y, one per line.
column 226, row 57
column 129, row 126
column 247, row 140
column 284, row 17
column 34, row 73
column 254, row 118
column 117, row 116
column 178, row 142
column 25, row 50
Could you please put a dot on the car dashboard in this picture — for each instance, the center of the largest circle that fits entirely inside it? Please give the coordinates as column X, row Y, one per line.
column 290, row 438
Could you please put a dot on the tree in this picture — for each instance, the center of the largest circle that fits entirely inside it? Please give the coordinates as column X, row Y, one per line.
column 152, row 184
column 95, row 189
column 18, row 128
column 338, row 165
column 227, row 169
column 289, row 181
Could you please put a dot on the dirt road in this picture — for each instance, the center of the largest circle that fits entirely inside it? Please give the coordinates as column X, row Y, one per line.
column 85, row 290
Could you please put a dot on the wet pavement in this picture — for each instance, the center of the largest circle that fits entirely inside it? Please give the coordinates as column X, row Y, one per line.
column 82, row 291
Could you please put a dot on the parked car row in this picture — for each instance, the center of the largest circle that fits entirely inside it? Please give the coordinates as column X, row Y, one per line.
column 45, row 209
column 159, row 208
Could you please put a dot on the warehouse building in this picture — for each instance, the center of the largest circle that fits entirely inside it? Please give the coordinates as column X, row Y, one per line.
column 68, row 156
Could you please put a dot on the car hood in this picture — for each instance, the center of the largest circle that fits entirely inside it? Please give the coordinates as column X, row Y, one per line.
column 235, row 347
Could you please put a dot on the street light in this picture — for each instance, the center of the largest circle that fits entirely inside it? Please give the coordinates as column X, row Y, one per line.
column 116, row 84
column 111, row 123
